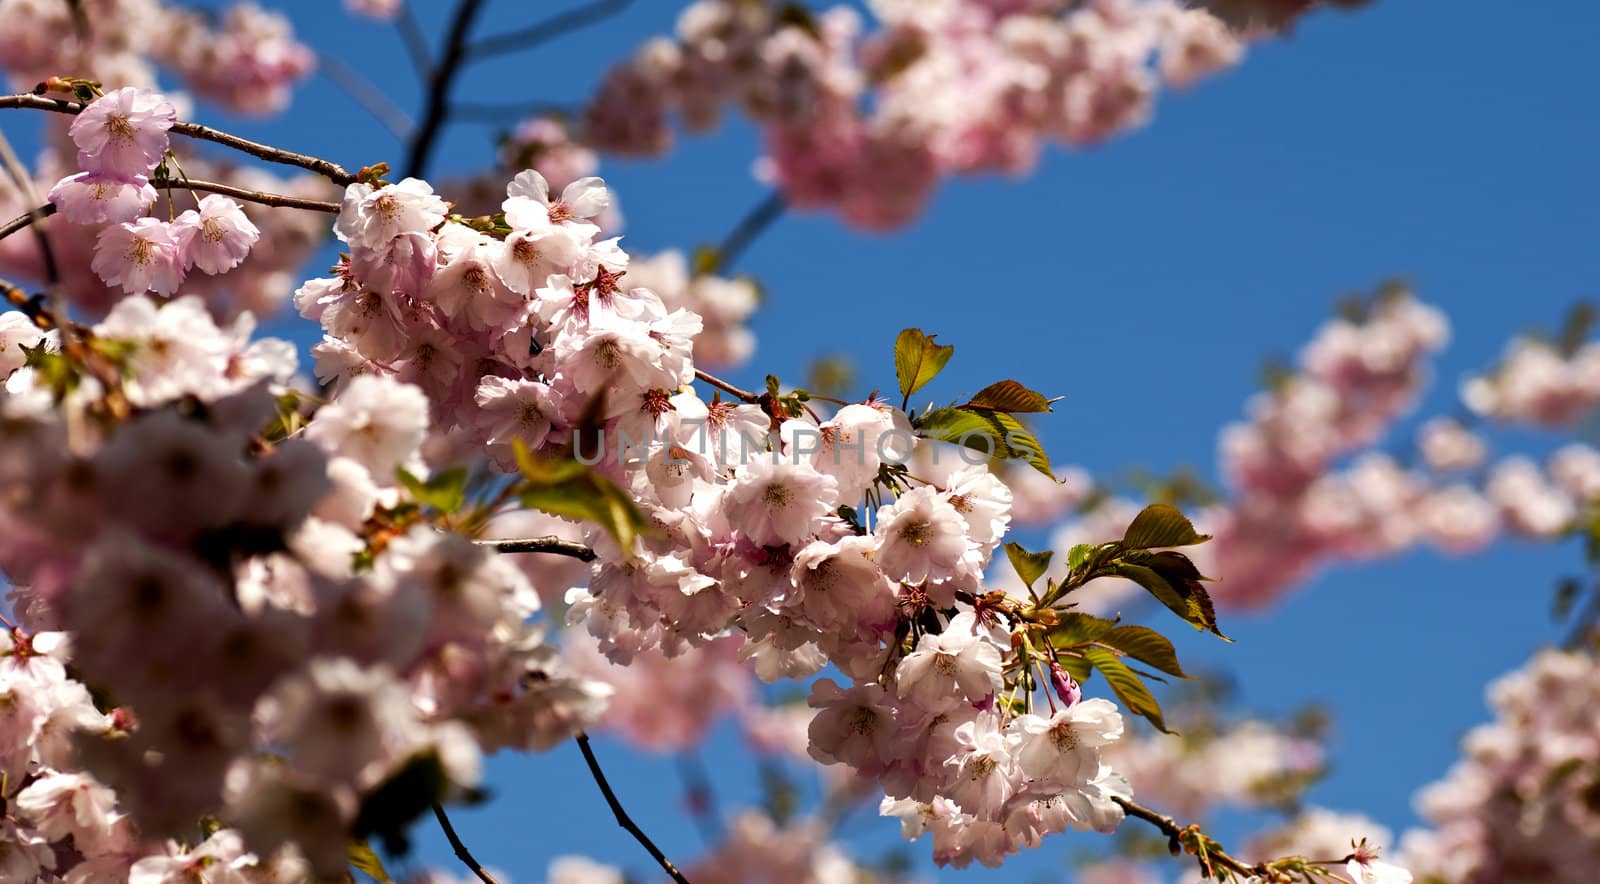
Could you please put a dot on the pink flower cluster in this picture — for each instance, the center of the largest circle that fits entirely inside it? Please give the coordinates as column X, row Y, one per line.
column 211, row 579
column 1310, row 486
column 1520, row 806
column 246, row 59
column 121, row 137
column 515, row 332
column 1538, row 383
column 868, row 124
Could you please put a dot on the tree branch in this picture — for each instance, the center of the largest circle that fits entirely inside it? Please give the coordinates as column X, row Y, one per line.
column 26, row 219
column 551, row 544
column 623, row 819
column 462, row 853
column 543, row 32
column 1180, row 838
column 330, row 170
column 750, row 226
column 24, row 181
column 724, row 386
column 276, row 200
column 435, row 111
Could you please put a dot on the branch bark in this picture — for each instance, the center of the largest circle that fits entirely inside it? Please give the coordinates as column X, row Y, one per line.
column 551, row 544
column 623, row 819
column 436, row 110
column 462, row 853
column 276, row 200
column 26, row 219
column 737, row 393
column 327, row 169
column 1181, row 838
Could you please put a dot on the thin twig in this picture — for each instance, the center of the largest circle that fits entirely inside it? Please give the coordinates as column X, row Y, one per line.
column 623, row 819
column 276, row 200
column 416, row 41
column 724, row 386
column 543, row 32
column 750, row 226
column 330, row 170
column 27, row 219
column 438, row 101
column 551, row 544
column 462, row 853
column 1178, row 837
column 24, row 181
column 365, row 93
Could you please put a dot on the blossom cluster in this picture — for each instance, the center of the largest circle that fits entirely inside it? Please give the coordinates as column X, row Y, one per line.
column 523, row 327
column 868, row 123
column 1520, row 805
column 121, row 138
column 1310, row 483
column 255, row 655
column 245, row 59
column 106, row 244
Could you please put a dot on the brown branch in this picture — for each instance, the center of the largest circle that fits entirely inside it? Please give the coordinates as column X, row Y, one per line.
column 1180, row 838
column 623, row 819
column 543, row 32
column 436, row 109
column 276, row 200
column 330, row 170
column 24, row 181
column 462, row 853
column 731, row 390
column 752, row 225
column 26, row 219
column 551, row 544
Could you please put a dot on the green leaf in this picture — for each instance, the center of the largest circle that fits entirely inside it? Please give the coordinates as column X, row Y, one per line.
column 365, row 860
column 918, row 360
column 1079, row 555
column 1076, row 666
column 994, row 433
column 1175, row 582
column 1126, row 684
column 1074, row 628
column 1029, row 566
column 1159, row 525
column 1147, row 646
column 571, row 490
column 1011, row 397
column 445, row 491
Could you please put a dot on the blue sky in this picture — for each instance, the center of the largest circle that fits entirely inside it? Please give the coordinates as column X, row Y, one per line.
column 1145, row 281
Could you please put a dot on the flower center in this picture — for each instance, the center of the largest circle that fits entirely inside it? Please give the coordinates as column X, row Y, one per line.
column 916, row 532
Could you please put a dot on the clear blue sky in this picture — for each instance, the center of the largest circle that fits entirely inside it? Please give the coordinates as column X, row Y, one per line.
column 1145, row 281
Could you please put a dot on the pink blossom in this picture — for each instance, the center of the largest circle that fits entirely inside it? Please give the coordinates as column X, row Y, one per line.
column 216, row 236
column 97, row 197
column 124, row 132
column 140, row 256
